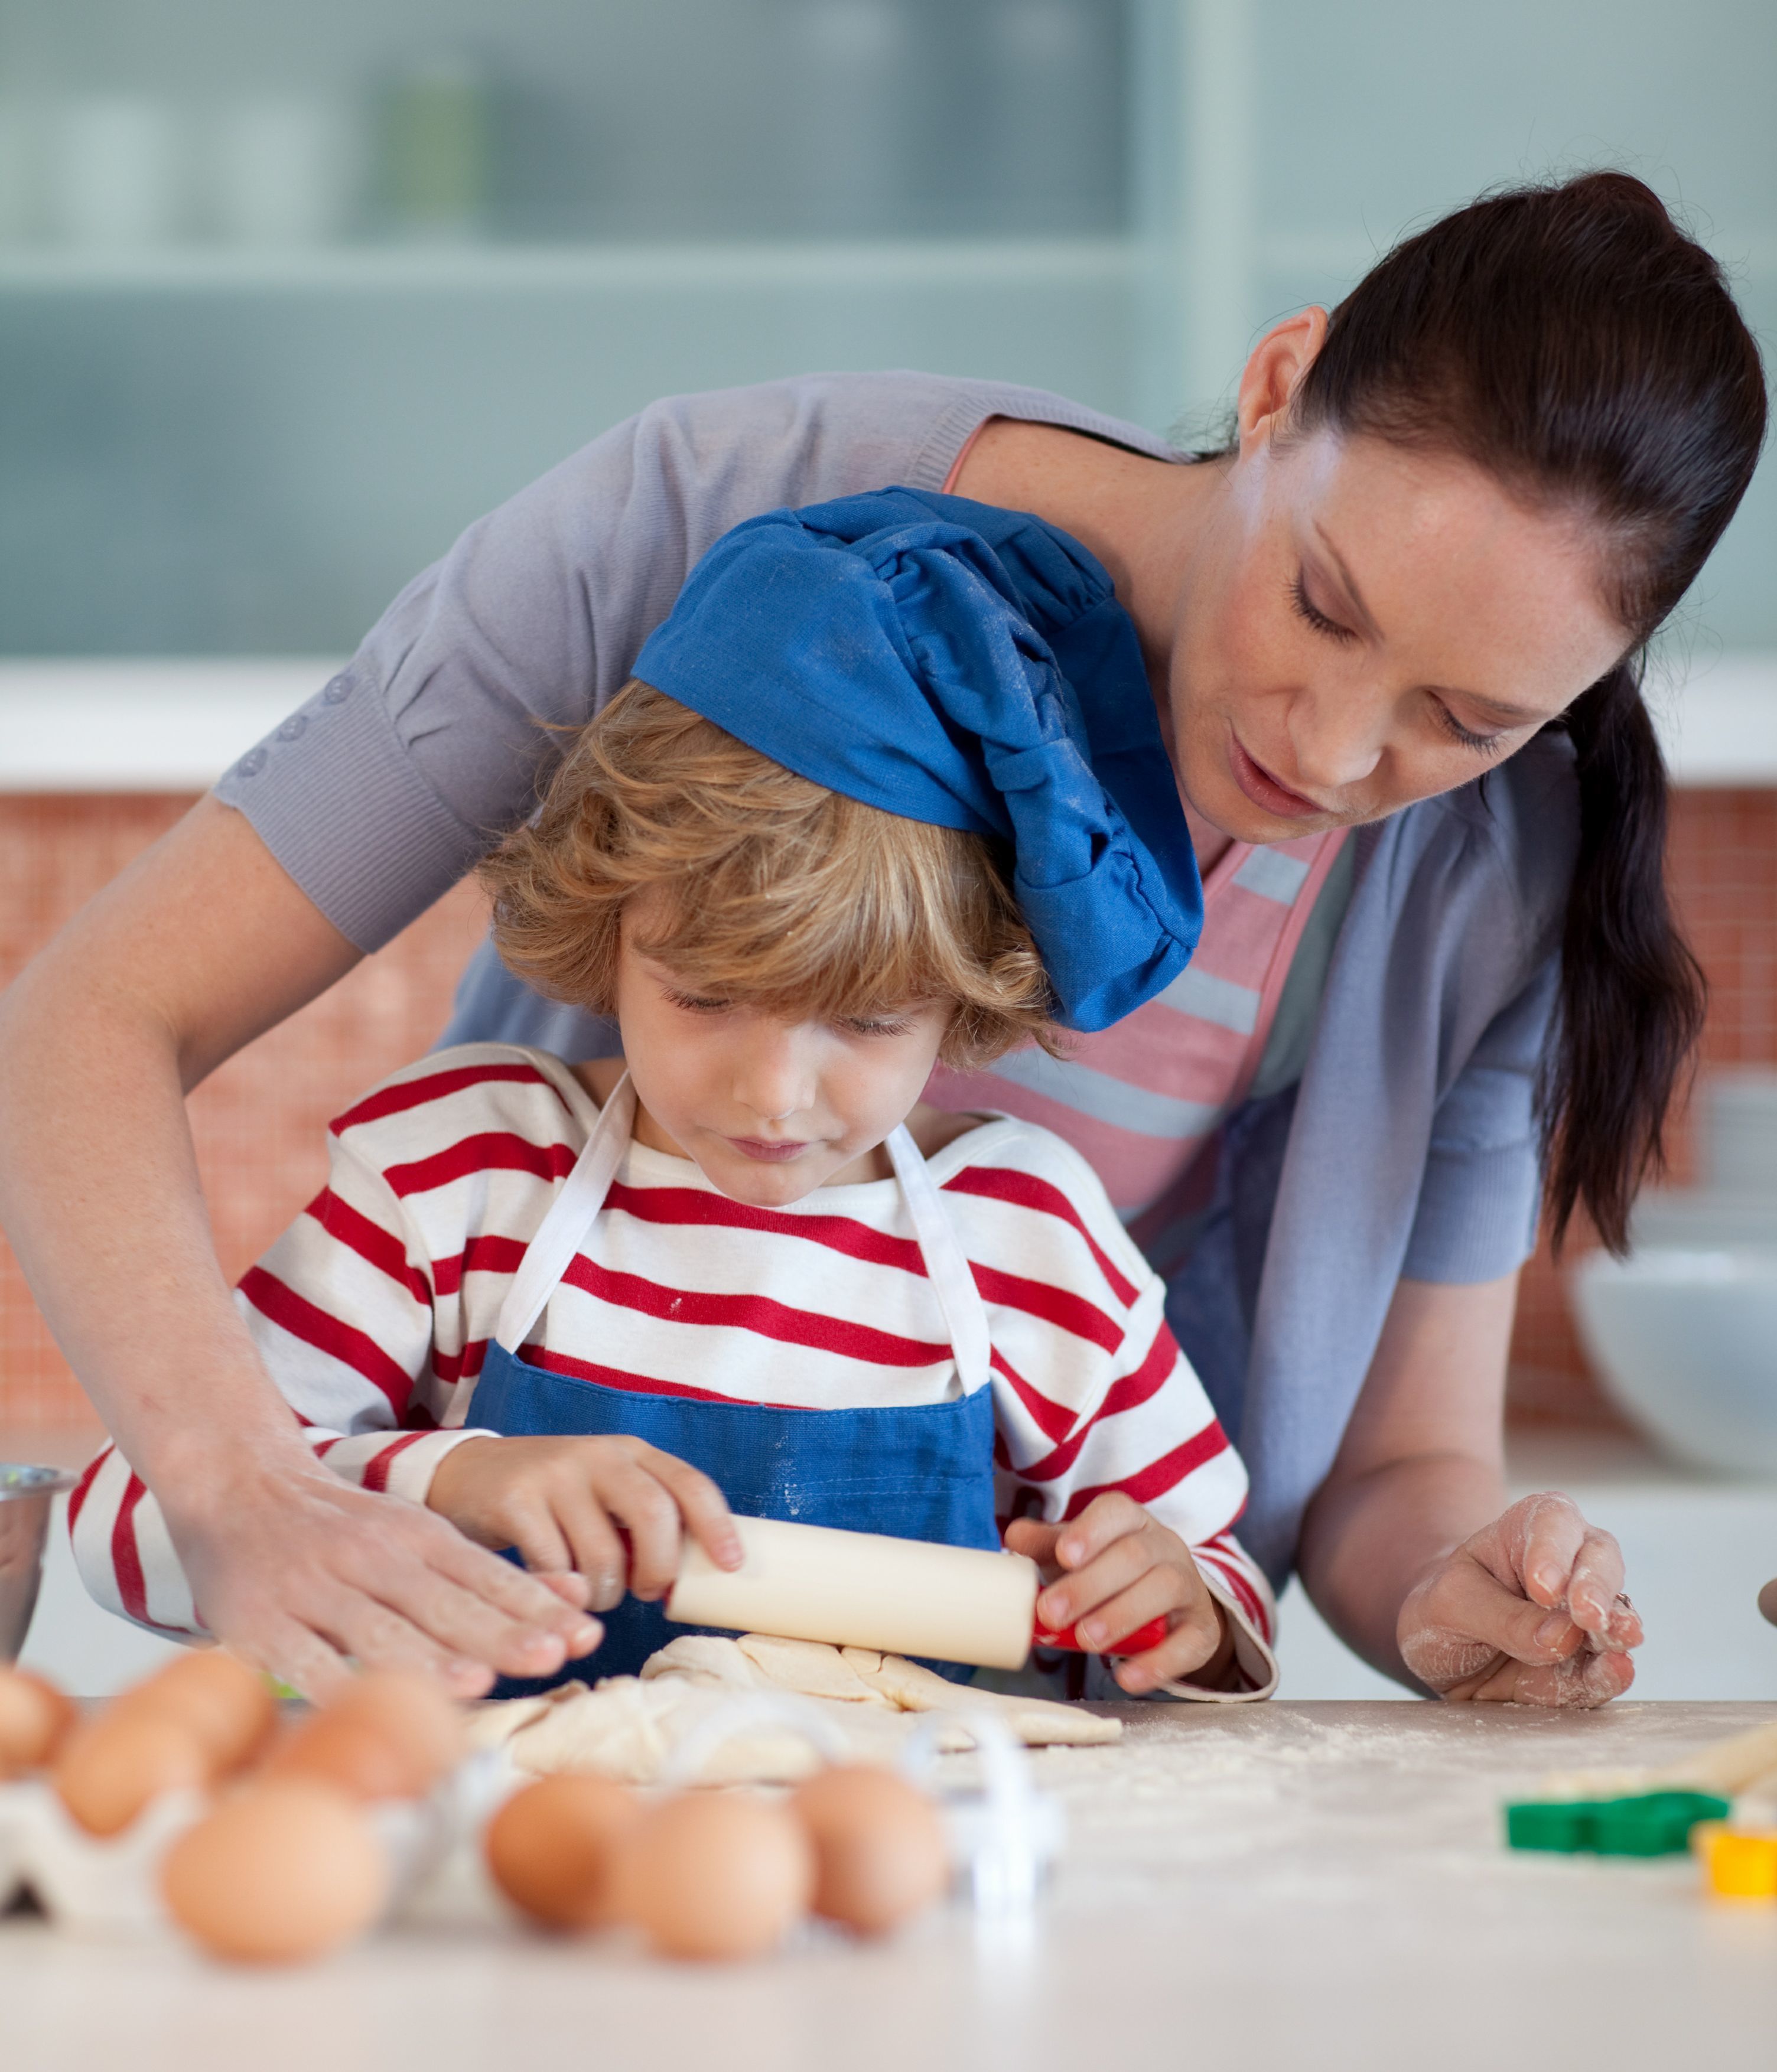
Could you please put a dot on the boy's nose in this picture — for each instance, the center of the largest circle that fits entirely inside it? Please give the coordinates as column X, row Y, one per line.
column 772, row 1078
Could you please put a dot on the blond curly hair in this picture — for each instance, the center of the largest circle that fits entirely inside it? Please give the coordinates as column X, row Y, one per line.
column 775, row 891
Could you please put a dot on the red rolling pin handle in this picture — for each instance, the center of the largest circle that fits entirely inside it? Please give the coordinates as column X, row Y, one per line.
column 1138, row 1643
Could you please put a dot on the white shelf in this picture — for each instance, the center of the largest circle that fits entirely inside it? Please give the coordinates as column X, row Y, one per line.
column 1719, row 729
column 175, row 726
column 789, row 264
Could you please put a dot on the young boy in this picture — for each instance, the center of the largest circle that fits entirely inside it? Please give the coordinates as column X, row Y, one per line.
column 579, row 1309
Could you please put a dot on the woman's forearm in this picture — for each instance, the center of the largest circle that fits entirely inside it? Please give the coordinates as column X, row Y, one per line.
column 1422, row 1465
column 201, row 945
column 101, row 1038
column 1368, row 1541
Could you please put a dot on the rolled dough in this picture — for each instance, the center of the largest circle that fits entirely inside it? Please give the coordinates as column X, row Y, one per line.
column 628, row 1726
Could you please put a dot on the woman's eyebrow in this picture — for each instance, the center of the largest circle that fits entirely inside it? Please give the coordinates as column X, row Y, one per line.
column 1360, row 609
column 1508, row 715
column 1494, row 708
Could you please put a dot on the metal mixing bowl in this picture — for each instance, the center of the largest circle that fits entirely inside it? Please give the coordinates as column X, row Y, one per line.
column 26, row 1496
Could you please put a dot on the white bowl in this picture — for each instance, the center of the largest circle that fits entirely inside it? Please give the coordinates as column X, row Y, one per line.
column 1685, row 1341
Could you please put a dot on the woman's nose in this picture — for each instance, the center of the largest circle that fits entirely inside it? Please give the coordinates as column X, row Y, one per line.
column 1338, row 739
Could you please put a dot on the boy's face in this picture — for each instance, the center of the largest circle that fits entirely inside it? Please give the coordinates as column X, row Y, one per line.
column 770, row 1109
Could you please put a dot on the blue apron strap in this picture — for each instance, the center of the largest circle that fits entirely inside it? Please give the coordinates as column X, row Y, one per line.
column 947, row 1269
column 571, row 1216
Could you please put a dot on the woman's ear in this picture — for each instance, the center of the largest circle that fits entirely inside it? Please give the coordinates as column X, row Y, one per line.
column 1274, row 370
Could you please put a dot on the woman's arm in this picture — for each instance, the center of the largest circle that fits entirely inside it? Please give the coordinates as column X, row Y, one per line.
column 200, row 946
column 1409, row 1551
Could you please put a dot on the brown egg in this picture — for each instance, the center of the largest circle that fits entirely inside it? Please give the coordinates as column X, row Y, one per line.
column 881, row 1853
column 280, row 1870
column 414, row 1715
column 228, row 1706
column 356, row 1756
column 35, row 1717
column 110, row 1767
column 551, row 1849
column 715, row 1875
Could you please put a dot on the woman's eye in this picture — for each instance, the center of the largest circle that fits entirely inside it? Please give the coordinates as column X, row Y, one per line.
column 1483, row 744
column 868, row 1025
column 1310, row 614
column 697, row 1003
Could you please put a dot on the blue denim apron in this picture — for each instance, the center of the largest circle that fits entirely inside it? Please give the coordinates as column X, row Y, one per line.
column 916, row 1471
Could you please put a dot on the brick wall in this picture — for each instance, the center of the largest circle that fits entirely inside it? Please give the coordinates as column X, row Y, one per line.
column 259, row 1120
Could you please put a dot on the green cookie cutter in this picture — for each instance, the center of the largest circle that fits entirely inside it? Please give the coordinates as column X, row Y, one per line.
column 1651, row 1823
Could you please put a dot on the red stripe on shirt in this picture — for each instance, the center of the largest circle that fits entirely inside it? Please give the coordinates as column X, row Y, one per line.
column 757, row 1313
column 376, row 1468
column 438, row 1085
column 493, row 1151
column 126, row 1556
column 1025, row 1190
column 1125, row 1393
column 83, row 1488
column 344, row 1342
column 637, row 1384
column 485, row 1254
column 1241, row 1590
column 453, row 1367
column 672, row 1206
column 1158, row 1476
column 371, row 1242
column 1066, row 1311
column 1053, row 1420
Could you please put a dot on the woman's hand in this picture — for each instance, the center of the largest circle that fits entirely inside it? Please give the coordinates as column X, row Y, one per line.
column 301, row 1573
column 1119, row 1568
column 566, row 1503
column 1529, row 1611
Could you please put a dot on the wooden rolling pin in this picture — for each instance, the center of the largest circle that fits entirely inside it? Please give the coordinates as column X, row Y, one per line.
column 863, row 1589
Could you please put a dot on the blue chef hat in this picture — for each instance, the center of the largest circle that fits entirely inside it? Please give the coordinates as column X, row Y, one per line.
column 970, row 667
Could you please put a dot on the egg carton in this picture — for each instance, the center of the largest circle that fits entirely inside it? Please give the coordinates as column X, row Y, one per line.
column 111, row 1886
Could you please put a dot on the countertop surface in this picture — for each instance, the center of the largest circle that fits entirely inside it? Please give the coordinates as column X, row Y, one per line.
column 1294, row 1886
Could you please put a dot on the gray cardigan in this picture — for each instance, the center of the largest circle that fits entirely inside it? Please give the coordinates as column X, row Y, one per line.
column 1409, row 1145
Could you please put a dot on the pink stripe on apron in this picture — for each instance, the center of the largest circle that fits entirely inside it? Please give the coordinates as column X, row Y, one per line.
column 1138, row 1101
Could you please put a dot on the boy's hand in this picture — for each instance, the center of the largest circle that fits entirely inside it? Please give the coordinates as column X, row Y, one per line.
column 561, row 1501
column 1119, row 1568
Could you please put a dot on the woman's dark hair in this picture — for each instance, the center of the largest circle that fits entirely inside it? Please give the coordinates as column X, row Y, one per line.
column 1572, row 341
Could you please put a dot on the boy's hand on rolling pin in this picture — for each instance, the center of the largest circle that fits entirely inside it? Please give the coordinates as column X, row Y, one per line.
column 565, row 1504
column 1118, row 1569
column 1530, row 1611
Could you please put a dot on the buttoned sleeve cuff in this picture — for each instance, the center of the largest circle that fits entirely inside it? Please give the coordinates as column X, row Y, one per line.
column 338, row 799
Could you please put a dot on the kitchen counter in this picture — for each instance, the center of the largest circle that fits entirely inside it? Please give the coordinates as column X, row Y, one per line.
column 1315, row 1885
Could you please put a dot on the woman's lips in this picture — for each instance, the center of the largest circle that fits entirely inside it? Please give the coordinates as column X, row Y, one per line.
column 768, row 1151
column 1264, row 789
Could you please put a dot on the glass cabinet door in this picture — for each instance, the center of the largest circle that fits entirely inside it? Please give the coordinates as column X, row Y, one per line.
column 288, row 296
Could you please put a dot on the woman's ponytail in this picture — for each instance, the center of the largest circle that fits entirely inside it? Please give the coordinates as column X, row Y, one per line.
column 1632, row 994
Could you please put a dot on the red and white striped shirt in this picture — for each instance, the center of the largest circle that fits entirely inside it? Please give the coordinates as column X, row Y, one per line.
column 373, row 1312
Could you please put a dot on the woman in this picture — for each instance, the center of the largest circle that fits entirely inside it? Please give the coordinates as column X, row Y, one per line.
column 1408, row 601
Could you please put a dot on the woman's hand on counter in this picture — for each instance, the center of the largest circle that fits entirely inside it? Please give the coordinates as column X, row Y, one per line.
column 298, row 1571
column 1529, row 1610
